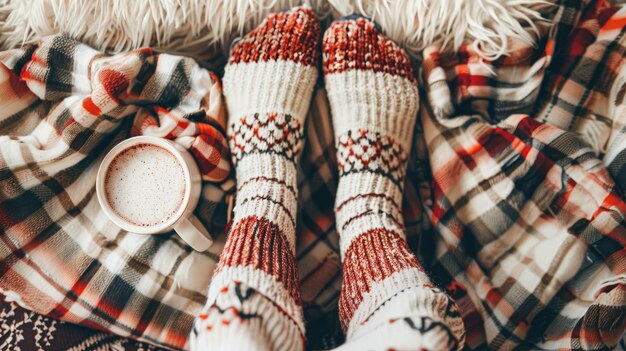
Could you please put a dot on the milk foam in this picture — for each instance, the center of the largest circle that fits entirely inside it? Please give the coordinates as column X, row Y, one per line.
column 145, row 185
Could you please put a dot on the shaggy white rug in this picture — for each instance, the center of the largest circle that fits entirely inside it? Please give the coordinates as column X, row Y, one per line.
column 194, row 27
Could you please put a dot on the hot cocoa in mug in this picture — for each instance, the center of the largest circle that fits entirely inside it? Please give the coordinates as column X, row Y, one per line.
column 151, row 185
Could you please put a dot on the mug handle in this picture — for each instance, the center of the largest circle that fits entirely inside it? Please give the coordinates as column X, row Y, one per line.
column 194, row 233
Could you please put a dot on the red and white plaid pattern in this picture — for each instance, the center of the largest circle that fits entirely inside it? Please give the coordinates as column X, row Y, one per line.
column 521, row 298
column 63, row 106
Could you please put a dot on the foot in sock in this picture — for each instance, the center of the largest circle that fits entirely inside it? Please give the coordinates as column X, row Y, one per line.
column 387, row 301
column 254, row 297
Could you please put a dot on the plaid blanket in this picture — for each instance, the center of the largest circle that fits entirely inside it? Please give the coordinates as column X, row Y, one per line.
column 531, row 225
column 63, row 106
column 514, row 194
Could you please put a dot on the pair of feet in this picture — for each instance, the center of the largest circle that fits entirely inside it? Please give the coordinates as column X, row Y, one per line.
column 387, row 301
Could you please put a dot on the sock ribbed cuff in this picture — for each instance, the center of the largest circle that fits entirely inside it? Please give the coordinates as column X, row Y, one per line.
column 273, row 87
column 376, row 256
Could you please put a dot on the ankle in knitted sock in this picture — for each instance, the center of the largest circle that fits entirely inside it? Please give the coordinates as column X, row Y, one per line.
column 387, row 300
column 254, row 298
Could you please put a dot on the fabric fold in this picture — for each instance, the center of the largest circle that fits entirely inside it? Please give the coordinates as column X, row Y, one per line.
column 531, row 222
column 64, row 106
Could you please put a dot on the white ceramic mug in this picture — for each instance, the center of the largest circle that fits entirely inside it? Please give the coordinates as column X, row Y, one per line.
column 183, row 221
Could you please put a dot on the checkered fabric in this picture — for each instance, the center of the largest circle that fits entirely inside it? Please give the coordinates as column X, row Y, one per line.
column 520, row 218
column 63, row 106
column 531, row 231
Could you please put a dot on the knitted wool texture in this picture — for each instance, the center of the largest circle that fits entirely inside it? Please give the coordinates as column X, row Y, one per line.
column 387, row 301
column 254, row 298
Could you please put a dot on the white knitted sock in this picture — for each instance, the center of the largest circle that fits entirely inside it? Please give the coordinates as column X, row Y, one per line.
column 254, row 297
column 387, row 301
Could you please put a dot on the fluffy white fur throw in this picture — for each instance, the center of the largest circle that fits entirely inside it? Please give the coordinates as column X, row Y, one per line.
column 191, row 27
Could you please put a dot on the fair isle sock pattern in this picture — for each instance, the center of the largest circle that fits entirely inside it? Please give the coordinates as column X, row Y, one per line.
column 387, row 301
column 254, row 298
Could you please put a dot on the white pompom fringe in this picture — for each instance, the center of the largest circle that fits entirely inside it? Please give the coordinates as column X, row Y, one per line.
column 191, row 27
column 487, row 25
column 187, row 27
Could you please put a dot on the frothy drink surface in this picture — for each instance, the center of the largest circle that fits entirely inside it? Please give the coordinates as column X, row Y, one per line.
column 145, row 185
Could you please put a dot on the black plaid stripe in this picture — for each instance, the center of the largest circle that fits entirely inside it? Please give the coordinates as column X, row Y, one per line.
column 61, row 52
column 617, row 167
column 18, row 123
column 565, row 19
column 173, row 86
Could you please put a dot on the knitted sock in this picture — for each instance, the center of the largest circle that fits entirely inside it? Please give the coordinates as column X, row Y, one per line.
column 386, row 301
column 254, row 297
